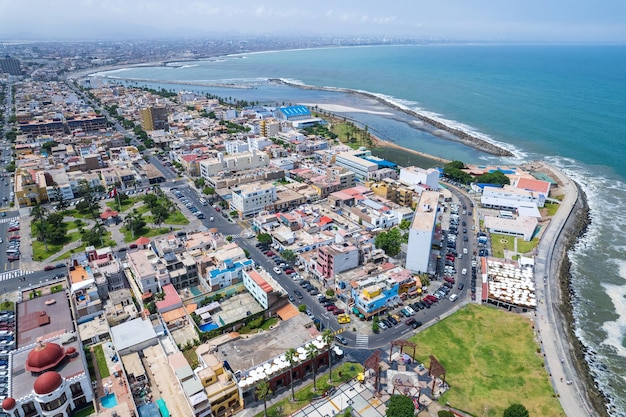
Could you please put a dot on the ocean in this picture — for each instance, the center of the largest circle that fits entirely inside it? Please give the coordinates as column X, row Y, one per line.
column 562, row 104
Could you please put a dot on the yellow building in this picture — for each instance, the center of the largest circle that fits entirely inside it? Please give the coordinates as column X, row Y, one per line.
column 30, row 187
column 219, row 383
column 393, row 191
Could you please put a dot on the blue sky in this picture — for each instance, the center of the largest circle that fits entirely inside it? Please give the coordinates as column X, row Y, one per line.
column 527, row 20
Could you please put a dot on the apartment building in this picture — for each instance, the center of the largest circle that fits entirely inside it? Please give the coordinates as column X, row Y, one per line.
column 421, row 233
column 251, row 199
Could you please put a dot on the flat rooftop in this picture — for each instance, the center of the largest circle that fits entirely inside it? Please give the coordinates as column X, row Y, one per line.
column 43, row 317
column 426, row 211
column 243, row 354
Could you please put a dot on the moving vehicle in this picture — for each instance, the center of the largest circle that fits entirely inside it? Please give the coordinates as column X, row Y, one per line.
column 454, row 297
column 340, row 339
column 343, row 318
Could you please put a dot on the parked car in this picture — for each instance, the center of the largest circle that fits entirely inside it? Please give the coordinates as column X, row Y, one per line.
column 417, row 324
column 410, row 321
column 338, row 311
column 48, row 268
column 298, row 294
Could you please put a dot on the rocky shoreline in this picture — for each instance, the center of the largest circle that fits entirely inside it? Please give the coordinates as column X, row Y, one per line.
column 458, row 134
column 579, row 224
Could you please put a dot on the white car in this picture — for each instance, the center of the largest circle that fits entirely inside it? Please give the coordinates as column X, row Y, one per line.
column 410, row 310
column 277, row 270
column 463, row 271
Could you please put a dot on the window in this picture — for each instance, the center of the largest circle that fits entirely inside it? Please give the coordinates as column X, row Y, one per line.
column 54, row 404
column 76, row 389
column 29, row 409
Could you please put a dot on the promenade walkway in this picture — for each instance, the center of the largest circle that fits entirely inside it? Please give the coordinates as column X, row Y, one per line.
column 549, row 322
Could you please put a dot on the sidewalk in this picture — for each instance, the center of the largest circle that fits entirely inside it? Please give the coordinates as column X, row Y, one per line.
column 549, row 322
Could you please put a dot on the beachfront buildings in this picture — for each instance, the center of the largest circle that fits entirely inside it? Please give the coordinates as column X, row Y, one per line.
column 154, row 118
column 510, row 198
column 355, row 162
column 419, row 176
column 421, row 232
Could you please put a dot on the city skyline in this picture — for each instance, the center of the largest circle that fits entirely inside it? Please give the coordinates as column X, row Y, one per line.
column 488, row 20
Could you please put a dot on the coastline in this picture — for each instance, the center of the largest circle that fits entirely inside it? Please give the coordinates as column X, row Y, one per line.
column 574, row 227
column 459, row 135
column 554, row 321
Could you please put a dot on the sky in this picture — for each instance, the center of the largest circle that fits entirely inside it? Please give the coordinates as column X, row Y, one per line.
column 495, row 20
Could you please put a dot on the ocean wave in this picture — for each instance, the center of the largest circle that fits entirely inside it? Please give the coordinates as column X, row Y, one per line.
column 592, row 266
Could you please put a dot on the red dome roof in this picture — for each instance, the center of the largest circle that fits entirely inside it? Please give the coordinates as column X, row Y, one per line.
column 8, row 403
column 71, row 350
column 47, row 382
column 44, row 357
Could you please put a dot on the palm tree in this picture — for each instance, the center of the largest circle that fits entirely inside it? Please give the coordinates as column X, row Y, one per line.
column 39, row 213
column 128, row 222
column 291, row 355
column 311, row 353
column 263, row 391
column 327, row 337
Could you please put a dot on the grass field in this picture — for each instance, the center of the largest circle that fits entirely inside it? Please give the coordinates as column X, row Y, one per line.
column 491, row 361
column 101, row 361
column 500, row 242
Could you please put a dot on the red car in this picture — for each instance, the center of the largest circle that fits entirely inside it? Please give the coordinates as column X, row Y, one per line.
column 14, row 228
column 338, row 311
column 449, row 279
column 49, row 268
column 15, row 237
column 13, row 258
column 270, row 253
column 289, row 271
column 217, row 209
column 331, row 308
column 450, row 257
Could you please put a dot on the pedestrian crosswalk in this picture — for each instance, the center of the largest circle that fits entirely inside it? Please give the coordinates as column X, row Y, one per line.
column 8, row 219
column 362, row 341
column 13, row 274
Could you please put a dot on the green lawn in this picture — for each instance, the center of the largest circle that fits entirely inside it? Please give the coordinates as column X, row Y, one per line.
column 101, row 361
column 128, row 237
column 85, row 412
column 304, row 396
column 500, row 242
column 491, row 360
column 177, row 218
column 552, row 208
column 126, row 204
column 345, row 131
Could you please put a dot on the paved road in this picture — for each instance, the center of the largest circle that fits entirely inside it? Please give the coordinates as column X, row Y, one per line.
column 549, row 321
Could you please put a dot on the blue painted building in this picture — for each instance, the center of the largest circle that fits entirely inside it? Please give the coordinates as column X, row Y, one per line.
column 228, row 274
column 292, row 113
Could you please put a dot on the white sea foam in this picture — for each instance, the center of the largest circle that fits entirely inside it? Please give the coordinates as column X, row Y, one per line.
column 616, row 329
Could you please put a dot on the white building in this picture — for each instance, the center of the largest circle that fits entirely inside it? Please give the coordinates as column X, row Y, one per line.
column 523, row 227
column 236, row 146
column 354, row 162
column 251, row 199
column 233, row 163
column 415, row 175
column 421, row 232
column 48, row 378
column 509, row 197
column 257, row 286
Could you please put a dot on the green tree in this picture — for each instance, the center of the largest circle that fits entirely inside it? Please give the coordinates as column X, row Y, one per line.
column 405, row 224
column 291, row 356
column 263, row 391
column 150, row 200
column 264, row 238
column 39, row 213
column 302, row 308
column 209, row 191
column 389, row 241
column 375, row 327
column 57, row 194
column 400, row 406
column 289, row 255
column 159, row 214
column 516, row 410
column 311, row 353
column 129, row 221
column 328, row 337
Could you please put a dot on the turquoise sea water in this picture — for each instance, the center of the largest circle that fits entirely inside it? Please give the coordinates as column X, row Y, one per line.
column 563, row 104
